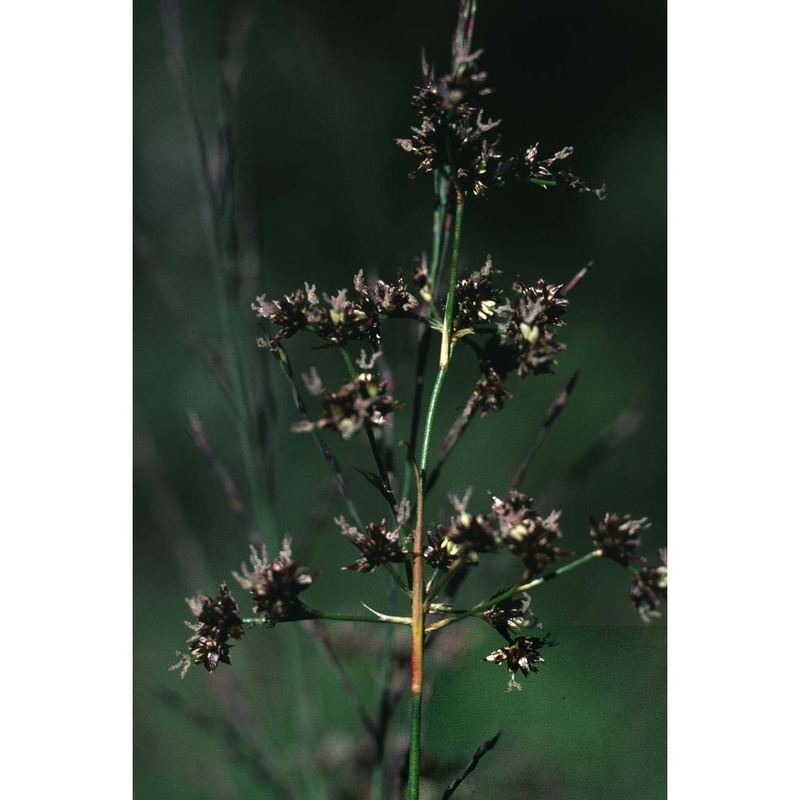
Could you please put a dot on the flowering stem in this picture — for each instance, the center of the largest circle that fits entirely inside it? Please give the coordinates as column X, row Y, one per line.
column 444, row 354
column 499, row 598
column 417, row 648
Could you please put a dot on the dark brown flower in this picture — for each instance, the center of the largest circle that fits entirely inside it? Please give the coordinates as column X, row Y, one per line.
column 522, row 655
column 274, row 584
column 377, row 545
column 490, row 392
column 617, row 537
column 470, row 533
column 476, row 297
column 527, row 167
column 649, row 589
column 342, row 321
column 381, row 298
column 573, row 183
column 440, row 552
column 526, row 534
column 455, row 135
column 453, row 131
column 217, row 621
column 291, row 314
column 532, row 315
column 362, row 400
column 511, row 615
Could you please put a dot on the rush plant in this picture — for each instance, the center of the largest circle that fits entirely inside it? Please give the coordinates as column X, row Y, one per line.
column 510, row 331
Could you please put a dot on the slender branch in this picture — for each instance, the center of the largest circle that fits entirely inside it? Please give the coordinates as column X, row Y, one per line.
column 556, row 407
column 477, row 610
column 453, row 437
column 229, row 487
column 473, row 762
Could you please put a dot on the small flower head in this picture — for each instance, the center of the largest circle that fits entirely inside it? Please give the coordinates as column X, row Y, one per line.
column 364, row 399
column 377, row 545
column 274, row 584
column 490, row 392
column 526, row 534
column 440, row 552
column 617, row 537
column 649, row 589
column 532, row 315
column 476, row 297
column 453, row 131
column 291, row 314
column 511, row 616
column 470, row 533
column 217, row 621
column 380, row 299
column 342, row 321
column 523, row 654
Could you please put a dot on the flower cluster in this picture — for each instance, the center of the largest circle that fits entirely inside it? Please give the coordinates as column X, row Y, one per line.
column 526, row 534
column 649, row 589
column 511, row 615
column 513, row 522
column 469, row 534
column 616, row 537
column 339, row 320
column 476, row 298
column 522, row 654
column 489, row 393
column 522, row 338
column 217, row 621
column 363, row 400
column 454, row 134
column 274, row 584
column 377, row 545
column 441, row 552
column 532, row 315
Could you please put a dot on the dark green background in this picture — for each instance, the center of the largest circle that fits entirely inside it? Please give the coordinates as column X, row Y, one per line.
column 323, row 192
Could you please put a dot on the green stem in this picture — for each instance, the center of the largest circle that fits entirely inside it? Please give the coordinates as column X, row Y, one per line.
column 447, row 332
column 415, row 750
column 426, row 439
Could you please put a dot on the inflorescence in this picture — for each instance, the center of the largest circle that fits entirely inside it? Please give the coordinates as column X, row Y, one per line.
column 511, row 331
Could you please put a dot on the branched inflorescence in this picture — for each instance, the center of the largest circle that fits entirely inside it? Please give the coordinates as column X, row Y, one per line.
column 511, row 331
column 274, row 584
column 455, row 134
